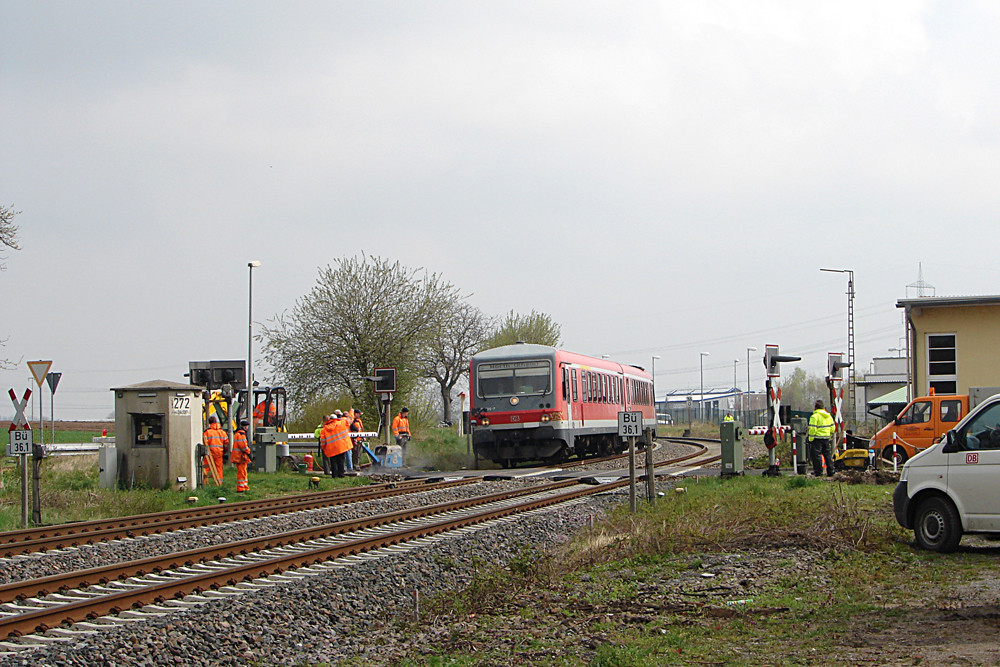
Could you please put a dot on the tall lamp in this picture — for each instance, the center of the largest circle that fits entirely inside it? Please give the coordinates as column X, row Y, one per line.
column 250, row 266
column 656, row 415
column 746, row 408
column 701, row 398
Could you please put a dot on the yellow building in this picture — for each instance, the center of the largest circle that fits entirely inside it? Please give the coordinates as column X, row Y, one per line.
column 952, row 343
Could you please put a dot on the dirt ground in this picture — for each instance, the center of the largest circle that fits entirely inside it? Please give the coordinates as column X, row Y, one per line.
column 953, row 627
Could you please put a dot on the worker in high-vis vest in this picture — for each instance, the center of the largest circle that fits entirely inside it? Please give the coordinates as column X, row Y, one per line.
column 216, row 440
column 335, row 441
column 820, row 438
column 401, row 429
column 240, row 457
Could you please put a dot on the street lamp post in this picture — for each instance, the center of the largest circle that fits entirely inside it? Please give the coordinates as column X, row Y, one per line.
column 736, row 386
column 850, row 334
column 701, row 397
column 250, row 268
column 652, row 373
column 746, row 407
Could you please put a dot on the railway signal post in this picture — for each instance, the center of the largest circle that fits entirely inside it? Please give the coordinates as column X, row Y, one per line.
column 834, row 381
column 771, row 362
column 21, row 445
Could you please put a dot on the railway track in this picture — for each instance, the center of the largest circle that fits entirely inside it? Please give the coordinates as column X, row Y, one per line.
column 64, row 599
column 698, row 443
column 166, row 583
column 60, row 536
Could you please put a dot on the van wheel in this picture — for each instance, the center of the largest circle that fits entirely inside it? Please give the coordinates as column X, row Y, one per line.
column 937, row 526
column 900, row 455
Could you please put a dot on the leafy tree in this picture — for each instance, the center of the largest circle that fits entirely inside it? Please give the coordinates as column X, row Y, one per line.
column 445, row 358
column 800, row 390
column 363, row 313
column 538, row 328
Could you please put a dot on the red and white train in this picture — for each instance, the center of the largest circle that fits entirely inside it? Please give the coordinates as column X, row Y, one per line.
column 538, row 403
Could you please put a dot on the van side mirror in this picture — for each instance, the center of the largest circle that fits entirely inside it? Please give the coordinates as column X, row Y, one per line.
column 950, row 443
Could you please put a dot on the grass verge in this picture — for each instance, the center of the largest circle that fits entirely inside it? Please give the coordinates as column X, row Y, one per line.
column 70, row 492
column 728, row 572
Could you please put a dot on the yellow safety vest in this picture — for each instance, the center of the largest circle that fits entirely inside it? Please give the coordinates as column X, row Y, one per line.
column 821, row 425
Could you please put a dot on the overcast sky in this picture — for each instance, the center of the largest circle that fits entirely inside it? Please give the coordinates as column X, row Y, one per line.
column 662, row 178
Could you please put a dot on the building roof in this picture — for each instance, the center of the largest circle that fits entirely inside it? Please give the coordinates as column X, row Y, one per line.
column 945, row 301
column 895, row 396
column 159, row 384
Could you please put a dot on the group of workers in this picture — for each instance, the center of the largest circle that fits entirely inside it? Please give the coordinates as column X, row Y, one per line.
column 216, row 441
column 340, row 449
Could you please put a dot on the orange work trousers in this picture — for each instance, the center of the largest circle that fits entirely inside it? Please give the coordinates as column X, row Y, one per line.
column 214, row 458
column 242, row 482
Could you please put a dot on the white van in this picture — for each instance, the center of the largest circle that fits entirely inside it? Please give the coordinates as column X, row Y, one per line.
column 950, row 488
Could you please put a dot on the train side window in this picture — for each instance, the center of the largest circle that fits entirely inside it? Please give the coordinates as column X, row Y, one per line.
column 604, row 388
column 574, row 385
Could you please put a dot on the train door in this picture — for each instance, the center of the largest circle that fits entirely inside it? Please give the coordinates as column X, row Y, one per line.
column 568, row 390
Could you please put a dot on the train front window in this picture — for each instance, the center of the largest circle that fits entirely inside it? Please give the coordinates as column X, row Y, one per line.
column 515, row 378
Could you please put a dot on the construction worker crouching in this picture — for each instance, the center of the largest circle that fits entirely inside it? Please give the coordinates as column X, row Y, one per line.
column 820, row 435
column 216, row 440
column 401, row 429
column 241, row 457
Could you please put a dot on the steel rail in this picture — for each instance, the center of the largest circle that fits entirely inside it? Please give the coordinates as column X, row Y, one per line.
column 141, row 594
column 89, row 532
column 615, row 457
column 42, row 619
column 64, row 581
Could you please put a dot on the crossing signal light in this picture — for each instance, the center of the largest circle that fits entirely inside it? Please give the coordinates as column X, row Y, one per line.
column 385, row 380
column 835, row 365
column 213, row 375
column 772, row 358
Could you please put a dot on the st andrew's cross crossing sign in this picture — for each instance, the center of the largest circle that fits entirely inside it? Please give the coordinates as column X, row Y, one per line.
column 20, row 430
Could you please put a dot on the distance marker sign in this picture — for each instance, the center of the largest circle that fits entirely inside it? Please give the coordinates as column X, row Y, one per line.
column 629, row 424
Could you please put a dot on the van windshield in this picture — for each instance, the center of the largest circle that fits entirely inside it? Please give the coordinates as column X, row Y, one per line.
column 983, row 431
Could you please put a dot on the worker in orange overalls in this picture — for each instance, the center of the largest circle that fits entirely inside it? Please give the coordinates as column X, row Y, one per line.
column 401, row 429
column 357, row 426
column 258, row 413
column 216, row 440
column 335, row 441
column 241, row 457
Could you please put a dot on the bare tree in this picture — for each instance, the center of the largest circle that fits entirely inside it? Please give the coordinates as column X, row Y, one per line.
column 8, row 239
column 538, row 328
column 363, row 313
column 445, row 359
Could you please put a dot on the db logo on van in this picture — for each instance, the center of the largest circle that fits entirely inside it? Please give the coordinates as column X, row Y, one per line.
column 972, row 457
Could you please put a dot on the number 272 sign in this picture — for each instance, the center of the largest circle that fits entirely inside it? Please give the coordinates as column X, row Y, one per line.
column 629, row 424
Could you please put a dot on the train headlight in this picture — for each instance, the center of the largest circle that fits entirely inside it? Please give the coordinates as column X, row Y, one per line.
column 484, row 421
column 544, row 418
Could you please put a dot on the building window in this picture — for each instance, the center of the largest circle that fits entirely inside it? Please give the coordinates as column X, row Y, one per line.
column 942, row 366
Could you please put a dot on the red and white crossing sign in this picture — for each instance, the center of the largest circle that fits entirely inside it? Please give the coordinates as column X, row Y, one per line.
column 39, row 369
column 20, row 429
column 19, row 419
